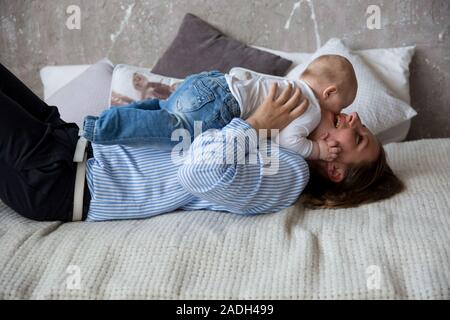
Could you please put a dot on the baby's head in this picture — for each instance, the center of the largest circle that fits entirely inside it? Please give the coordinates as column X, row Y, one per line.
column 333, row 80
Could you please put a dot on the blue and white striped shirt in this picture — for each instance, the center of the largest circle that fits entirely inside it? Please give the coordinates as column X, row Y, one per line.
column 133, row 182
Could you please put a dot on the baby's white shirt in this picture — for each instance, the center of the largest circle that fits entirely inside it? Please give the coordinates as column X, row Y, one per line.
column 250, row 88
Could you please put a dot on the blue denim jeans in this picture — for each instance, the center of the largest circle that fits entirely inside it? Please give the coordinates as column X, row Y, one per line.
column 201, row 97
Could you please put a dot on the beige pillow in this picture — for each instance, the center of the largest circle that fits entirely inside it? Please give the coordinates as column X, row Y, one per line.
column 130, row 83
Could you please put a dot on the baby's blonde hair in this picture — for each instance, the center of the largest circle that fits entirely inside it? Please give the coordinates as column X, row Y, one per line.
column 333, row 69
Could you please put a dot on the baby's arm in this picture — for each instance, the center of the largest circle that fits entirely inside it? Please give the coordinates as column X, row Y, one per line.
column 324, row 150
column 294, row 138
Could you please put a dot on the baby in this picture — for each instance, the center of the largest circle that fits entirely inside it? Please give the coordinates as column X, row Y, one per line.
column 329, row 83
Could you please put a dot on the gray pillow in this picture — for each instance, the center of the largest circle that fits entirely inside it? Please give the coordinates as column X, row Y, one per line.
column 200, row 47
column 87, row 94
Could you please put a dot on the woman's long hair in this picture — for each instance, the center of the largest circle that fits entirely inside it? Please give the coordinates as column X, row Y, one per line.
column 364, row 183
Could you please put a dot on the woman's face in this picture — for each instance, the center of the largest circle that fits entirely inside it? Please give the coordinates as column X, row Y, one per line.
column 357, row 143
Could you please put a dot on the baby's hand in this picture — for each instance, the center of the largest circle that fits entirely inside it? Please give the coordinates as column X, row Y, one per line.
column 328, row 150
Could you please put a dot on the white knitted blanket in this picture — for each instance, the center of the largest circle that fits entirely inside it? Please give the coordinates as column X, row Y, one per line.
column 394, row 249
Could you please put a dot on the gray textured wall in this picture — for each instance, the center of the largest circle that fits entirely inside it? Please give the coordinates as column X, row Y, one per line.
column 33, row 34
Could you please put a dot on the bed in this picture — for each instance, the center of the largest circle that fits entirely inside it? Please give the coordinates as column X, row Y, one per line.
column 394, row 249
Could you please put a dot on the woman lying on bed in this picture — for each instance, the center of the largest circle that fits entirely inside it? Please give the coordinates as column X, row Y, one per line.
column 129, row 182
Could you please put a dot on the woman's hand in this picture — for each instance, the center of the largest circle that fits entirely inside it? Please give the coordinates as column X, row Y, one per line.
column 277, row 113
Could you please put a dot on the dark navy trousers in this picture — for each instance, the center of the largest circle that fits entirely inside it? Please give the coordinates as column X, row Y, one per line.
column 37, row 172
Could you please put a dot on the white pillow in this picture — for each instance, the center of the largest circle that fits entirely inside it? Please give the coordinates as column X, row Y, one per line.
column 55, row 77
column 391, row 65
column 377, row 107
column 86, row 94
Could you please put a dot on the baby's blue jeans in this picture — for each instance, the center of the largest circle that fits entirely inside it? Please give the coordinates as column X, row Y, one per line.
column 203, row 97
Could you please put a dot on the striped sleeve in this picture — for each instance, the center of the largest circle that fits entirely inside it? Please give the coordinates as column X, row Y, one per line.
column 230, row 169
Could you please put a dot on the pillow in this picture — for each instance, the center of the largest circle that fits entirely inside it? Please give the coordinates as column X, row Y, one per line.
column 55, row 77
column 378, row 108
column 131, row 83
column 392, row 67
column 397, row 133
column 200, row 47
column 390, row 64
column 296, row 57
column 87, row 94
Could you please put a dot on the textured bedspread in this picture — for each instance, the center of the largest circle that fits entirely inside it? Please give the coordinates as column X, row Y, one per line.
column 394, row 249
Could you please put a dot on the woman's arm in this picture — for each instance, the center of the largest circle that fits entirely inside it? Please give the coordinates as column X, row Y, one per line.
column 227, row 168
column 230, row 168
